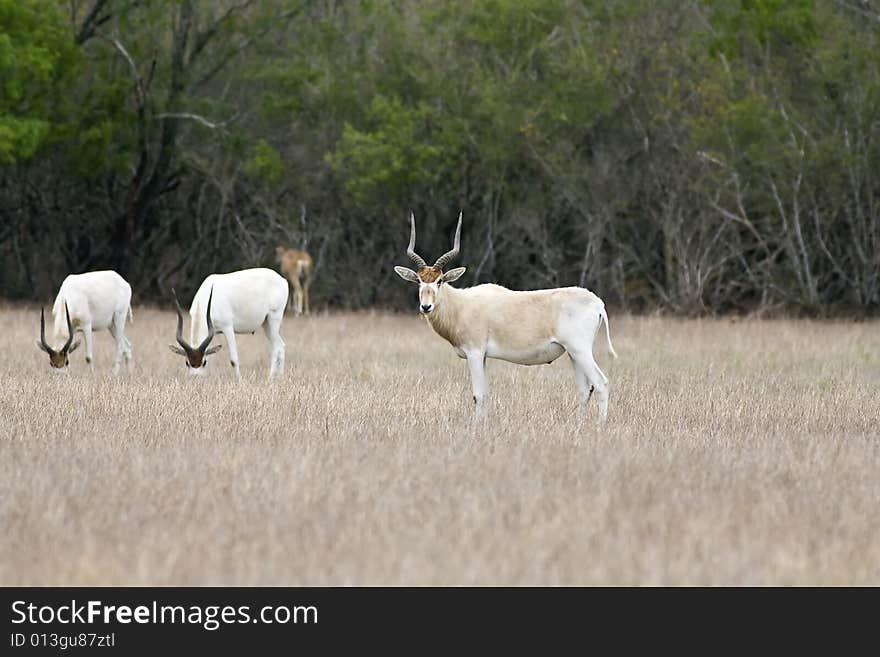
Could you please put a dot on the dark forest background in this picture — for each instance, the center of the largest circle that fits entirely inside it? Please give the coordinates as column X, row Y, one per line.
column 692, row 156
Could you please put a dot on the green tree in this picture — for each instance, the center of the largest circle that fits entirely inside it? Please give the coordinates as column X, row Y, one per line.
column 36, row 55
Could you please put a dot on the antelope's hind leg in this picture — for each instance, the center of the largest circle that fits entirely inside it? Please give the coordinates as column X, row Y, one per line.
column 289, row 303
column 272, row 327
column 305, row 287
column 576, row 333
column 590, row 379
column 297, row 295
column 584, row 387
column 123, row 346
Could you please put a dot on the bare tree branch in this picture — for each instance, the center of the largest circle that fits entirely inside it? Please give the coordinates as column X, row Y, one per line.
column 92, row 21
column 204, row 37
column 213, row 125
column 139, row 81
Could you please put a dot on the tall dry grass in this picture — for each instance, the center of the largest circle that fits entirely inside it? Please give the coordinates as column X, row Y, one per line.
column 735, row 453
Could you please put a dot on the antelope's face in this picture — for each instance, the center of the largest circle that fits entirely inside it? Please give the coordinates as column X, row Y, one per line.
column 58, row 359
column 430, row 279
column 196, row 361
column 196, row 357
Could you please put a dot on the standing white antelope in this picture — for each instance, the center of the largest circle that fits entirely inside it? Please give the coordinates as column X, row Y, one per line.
column 88, row 302
column 525, row 327
column 238, row 302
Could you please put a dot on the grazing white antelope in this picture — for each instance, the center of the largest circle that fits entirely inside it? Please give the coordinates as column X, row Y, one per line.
column 296, row 267
column 88, row 302
column 528, row 328
column 238, row 302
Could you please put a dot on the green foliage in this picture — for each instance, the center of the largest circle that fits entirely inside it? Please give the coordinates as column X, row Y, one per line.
column 99, row 133
column 20, row 138
column 36, row 52
column 740, row 24
column 264, row 163
column 397, row 153
column 512, row 30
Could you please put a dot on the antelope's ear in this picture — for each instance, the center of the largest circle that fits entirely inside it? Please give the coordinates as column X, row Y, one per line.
column 73, row 347
column 454, row 274
column 176, row 349
column 41, row 347
column 407, row 274
column 213, row 350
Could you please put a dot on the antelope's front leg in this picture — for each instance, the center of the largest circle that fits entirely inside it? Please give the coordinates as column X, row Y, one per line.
column 229, row 334
column 87, row 338
column 476, row 361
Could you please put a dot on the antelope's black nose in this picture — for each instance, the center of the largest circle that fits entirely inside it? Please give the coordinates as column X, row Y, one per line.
column 426, row 307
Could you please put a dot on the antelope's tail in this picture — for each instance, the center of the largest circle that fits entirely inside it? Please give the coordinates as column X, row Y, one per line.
column 604, row 316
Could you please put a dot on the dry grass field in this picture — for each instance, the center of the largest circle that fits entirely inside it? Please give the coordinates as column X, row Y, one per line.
column 735, row 453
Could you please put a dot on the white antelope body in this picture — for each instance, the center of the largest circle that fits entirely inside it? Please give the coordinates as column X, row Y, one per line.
column 529, row 327
column 89, row 302
column 239, row 302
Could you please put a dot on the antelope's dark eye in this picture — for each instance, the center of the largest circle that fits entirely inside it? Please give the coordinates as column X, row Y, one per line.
column 204, row 362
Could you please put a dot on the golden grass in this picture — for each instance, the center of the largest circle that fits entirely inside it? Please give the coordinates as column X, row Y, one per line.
column 735, row 453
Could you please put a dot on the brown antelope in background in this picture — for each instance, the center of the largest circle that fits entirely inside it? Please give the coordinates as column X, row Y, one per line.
column 528, row 328
column 296, row 267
